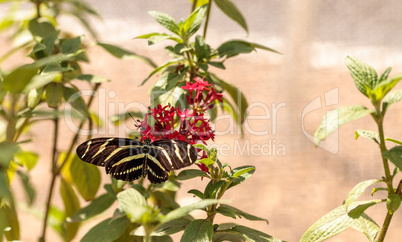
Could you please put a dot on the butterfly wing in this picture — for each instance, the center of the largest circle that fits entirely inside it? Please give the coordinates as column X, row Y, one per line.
column 122, row 158
column 174, row 154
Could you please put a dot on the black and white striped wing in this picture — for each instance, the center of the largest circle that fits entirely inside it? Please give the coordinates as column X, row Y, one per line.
column 174, row 154
column 122, row 158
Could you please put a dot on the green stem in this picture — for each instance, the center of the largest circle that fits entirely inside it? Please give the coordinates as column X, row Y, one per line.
column 37, row 4
column 204, row 35
column 389, row 216
column 54, row 175
column 194, row 5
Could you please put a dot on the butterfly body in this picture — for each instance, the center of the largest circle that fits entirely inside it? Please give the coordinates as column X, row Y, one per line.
column 128, row 159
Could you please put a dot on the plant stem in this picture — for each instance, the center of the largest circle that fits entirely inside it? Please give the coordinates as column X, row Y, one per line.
column 56, row 170
column 37, row 3
column 204, row 35
column 54, row 174
column 388, row 218
column 194, row 5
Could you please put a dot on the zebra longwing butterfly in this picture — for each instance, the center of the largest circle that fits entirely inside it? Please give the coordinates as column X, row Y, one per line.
column 128, row 159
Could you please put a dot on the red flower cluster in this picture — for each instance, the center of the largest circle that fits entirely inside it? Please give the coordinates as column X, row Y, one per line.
column 159, row 123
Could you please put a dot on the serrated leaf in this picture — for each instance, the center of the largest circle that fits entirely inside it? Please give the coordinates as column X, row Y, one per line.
column 338, row 117
column 166, row 21
column 183, row 211
column 382, row 89
column 86, row 178
column 190, row 173
column 368, row 134
column 358, row 190
column 97, row 206
column 239, row 213
column 395, row 156
column 364, row 76
column 232, row 12
column 328, row 226
column 367, row 226
column 125, row 54
column 198, row 230
column 107, row 231
column 54, row 94
column 391, row 98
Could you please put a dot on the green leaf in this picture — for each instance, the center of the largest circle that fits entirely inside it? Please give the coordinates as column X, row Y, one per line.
column 194, row 21
column 382, row 89
column 166, row 21
column 125, row 54
column 328, row 226
column 198, row 230
column 227, row 236
column 212, row 188
column 364, row 76
column 118, row 185
column 166, row 91
column 27, row 159
column 338, row 117
column 234, row 47
column 367, row 226
column 93, row 78
column 156, row 38
column 358, row 190
column 107, row 231
column 394, row 141
column 19, row 78
column 368, row 134
column 28, row 188
column 74, row 98
column 245, row 173
column 122, row 117
column 360, row 206
column 54, row 94
column 70, row 46
column 7, row 152
column 384, row 75
column 185, row 210
column 171, row 227
column 97, row 206
column 49, row 42
column 197, row 193
column 133, row 204
column 395, row 156
column 13, row 227
column 232, row 12
column 207, row 161
column 159, row 68
column 241, row 170
column 249, row 234
column 4, row 185
column 39, row 81
column 190, row 173
column 71, row 205
column 237, row 96
column 41, row 29
column 239, row 213
column 393, row 202
column 391, row 98
column 86, row 178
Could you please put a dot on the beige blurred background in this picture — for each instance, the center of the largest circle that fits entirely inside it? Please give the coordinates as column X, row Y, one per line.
column 295, row 183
